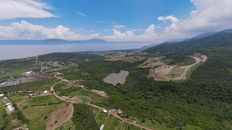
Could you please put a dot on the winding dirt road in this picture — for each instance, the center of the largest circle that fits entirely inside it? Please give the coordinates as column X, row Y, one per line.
column 133, row 123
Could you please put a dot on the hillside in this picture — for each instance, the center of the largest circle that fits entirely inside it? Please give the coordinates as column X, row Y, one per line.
column 220, row 39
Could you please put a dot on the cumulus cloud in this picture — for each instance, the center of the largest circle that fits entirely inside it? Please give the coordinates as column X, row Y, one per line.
column 148, row 35
column 207, row 16
column 26, row 31
column 24, row 9
column 168, row 18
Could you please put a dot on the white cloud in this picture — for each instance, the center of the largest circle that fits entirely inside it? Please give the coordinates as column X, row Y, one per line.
column 26, row 31
column 81, row 13
column 118, row 26
column 168, row 18
column 148, row 35
column 208, row 15
column 119, row 35
column 23, row 9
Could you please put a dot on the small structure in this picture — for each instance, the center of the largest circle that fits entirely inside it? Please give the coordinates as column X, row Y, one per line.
column 121, row 113
column 28, row 73
column 105, row 111
column 9, row 106
column 102, row 127
column 45, row 92
column 10, row 83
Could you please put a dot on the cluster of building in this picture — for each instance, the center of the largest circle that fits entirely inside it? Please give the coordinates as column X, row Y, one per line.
column 10, row 83
column 9, row 105
column 28, row 73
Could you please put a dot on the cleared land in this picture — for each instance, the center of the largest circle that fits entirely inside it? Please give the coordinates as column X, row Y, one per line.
column 116, row 78
column 125, row 58
column 176, row 73
column 152, row 62
column 101, row 93
column 59, row 116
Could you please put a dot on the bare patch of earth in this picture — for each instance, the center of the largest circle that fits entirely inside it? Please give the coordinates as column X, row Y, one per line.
column 36, row 77
column 100, row 93
column 125, row 58
column 23, row 127
column 116, row 78
column 152, row 62
column 176, row 73
column 59, row 116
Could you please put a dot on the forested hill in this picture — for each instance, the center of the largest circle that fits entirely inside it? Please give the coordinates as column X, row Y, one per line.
column 220, row 39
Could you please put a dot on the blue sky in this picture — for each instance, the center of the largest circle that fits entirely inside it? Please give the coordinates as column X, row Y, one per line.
column 99, row 15
column 116, row 20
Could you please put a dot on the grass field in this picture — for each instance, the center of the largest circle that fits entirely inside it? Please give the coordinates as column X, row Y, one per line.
column 67, row 126
column 37, row 116
column 2, row 114
column 33, row 109
column 37, row 109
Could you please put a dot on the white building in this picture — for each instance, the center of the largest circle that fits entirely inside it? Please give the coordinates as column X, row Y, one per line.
column 28, row 73
column 105, row 111
column 102, row 127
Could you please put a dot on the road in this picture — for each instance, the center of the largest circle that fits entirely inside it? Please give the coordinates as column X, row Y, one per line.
column 133, row 123
column 187, row 69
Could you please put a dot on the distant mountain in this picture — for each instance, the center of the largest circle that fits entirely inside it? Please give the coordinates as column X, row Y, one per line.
column 218, row 39
column 204, row 35
column 49, row 42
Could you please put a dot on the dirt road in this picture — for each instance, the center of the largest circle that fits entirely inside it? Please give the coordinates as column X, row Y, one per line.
column 186, row 68
column 59, row 117
column 133, row 123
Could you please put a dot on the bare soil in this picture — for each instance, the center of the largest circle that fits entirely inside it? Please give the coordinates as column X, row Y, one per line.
column 116, row 78
column 152, row 62
column 125, row 58
column 175, row 73
column 100, row 93
column 36, row 77
column 23, row 127
column 59, row 116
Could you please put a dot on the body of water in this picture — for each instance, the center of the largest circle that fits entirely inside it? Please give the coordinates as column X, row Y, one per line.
column 23, row 51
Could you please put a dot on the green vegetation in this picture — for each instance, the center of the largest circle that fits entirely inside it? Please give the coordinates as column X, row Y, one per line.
column 83, row 118
column 13, row 120
column 37, row 116
column 202, row 102
column 179, row 60
column 67, row 126
column 14, row 68
column 112, row 124
column 65, row 89
column 2, row 115
column 101, row 118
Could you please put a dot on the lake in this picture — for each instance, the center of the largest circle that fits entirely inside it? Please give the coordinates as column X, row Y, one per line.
column 23, row 51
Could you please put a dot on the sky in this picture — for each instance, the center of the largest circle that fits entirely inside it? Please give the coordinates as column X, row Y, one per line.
column 113, row 20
